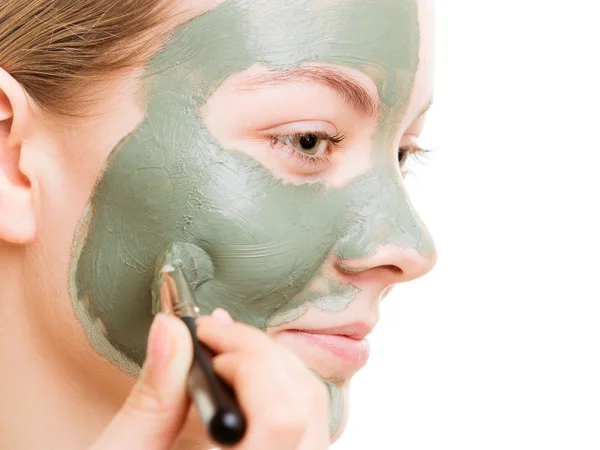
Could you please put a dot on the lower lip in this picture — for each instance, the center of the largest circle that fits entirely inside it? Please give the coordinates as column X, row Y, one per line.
column 351, row 350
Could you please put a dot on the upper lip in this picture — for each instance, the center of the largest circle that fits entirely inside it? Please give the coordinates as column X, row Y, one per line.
column 357, row 331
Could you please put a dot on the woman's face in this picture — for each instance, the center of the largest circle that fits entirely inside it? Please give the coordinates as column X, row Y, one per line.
column 266, row 134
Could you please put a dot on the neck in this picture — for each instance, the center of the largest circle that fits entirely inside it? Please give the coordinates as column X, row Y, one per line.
column 39, row 392
column 53, row 382
column 48, row 373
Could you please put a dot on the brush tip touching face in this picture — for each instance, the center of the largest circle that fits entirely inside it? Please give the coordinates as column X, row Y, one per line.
column 195, row 264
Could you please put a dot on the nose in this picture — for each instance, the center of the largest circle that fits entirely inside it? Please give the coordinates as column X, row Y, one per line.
column 391, row 264
column 385, row 236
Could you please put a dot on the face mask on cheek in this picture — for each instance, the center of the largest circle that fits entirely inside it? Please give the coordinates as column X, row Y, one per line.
column 171, row 181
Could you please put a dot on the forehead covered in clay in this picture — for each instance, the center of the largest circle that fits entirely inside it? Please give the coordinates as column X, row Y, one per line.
column 378, row 37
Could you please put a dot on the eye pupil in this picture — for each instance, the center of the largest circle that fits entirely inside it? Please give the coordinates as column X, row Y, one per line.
column 401, row 156
column 308, row 141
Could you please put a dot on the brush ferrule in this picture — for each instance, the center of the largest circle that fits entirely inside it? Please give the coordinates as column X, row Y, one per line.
column 186, row 310
column 176, row 295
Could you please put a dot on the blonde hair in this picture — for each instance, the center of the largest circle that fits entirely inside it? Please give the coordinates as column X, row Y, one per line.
column 56, row 49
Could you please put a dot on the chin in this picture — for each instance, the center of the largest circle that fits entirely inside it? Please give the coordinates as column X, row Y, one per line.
column 335, row 359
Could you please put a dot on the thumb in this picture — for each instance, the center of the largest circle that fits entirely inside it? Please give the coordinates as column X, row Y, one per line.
column 155, row 411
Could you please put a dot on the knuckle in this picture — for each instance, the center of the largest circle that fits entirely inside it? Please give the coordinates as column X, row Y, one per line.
column 143, row 400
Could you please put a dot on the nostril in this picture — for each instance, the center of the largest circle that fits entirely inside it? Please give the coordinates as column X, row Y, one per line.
column 389, row 272
column 390, row 262
column 394, row 270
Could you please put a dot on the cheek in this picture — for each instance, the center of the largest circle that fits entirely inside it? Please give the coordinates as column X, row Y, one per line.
column 65, row 191
column 65, row 185
column 71, row 168
column 266, row 238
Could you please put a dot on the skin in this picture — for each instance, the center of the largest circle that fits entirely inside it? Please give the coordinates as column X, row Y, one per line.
column 182, row 156
column 221, row 199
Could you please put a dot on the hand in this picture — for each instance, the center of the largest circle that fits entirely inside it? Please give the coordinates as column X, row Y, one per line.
column 285, row 404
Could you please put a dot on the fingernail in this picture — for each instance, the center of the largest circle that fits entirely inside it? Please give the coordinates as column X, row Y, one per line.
column 160, row 342
column 218, row 317
column 221, row 317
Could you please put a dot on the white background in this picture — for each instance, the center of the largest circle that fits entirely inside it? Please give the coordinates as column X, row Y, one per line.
column 499, row 347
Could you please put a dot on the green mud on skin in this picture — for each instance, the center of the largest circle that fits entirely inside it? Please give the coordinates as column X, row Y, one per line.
column 193, row 261
column 323, row 292
column 171, row 181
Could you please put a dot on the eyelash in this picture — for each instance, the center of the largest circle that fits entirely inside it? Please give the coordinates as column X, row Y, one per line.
column 408, row 150
column 318, row 162
column 302, row 159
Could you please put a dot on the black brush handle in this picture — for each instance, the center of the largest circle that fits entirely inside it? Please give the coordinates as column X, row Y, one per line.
column 213, row 397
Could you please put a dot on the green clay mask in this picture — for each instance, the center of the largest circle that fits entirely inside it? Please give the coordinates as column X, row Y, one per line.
column 171, row 181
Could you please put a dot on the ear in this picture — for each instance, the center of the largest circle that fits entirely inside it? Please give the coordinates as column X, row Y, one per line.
column 17, row 211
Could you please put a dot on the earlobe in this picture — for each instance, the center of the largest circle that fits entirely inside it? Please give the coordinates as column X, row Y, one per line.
column 17, row 212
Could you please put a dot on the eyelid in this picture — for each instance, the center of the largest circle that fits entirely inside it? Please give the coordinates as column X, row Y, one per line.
column 412, row 148
column 410, row 140
column 299, row 127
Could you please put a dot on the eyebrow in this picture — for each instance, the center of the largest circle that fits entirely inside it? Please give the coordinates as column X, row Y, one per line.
column 354, row 93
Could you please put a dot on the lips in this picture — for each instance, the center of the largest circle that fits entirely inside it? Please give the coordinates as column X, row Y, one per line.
column 356, row 331
column 347, row 344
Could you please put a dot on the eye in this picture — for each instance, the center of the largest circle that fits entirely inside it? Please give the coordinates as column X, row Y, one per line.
column 311, row 144
column 403, row 153
column 407, row 150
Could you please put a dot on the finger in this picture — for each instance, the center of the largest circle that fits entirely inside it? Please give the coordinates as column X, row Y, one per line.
column 221, row 316
column 278, row 414
column 154, row 413
column 237, row 337
column 232, row 337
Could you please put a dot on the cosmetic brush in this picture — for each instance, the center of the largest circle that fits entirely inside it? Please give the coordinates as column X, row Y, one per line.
column 213, row 397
